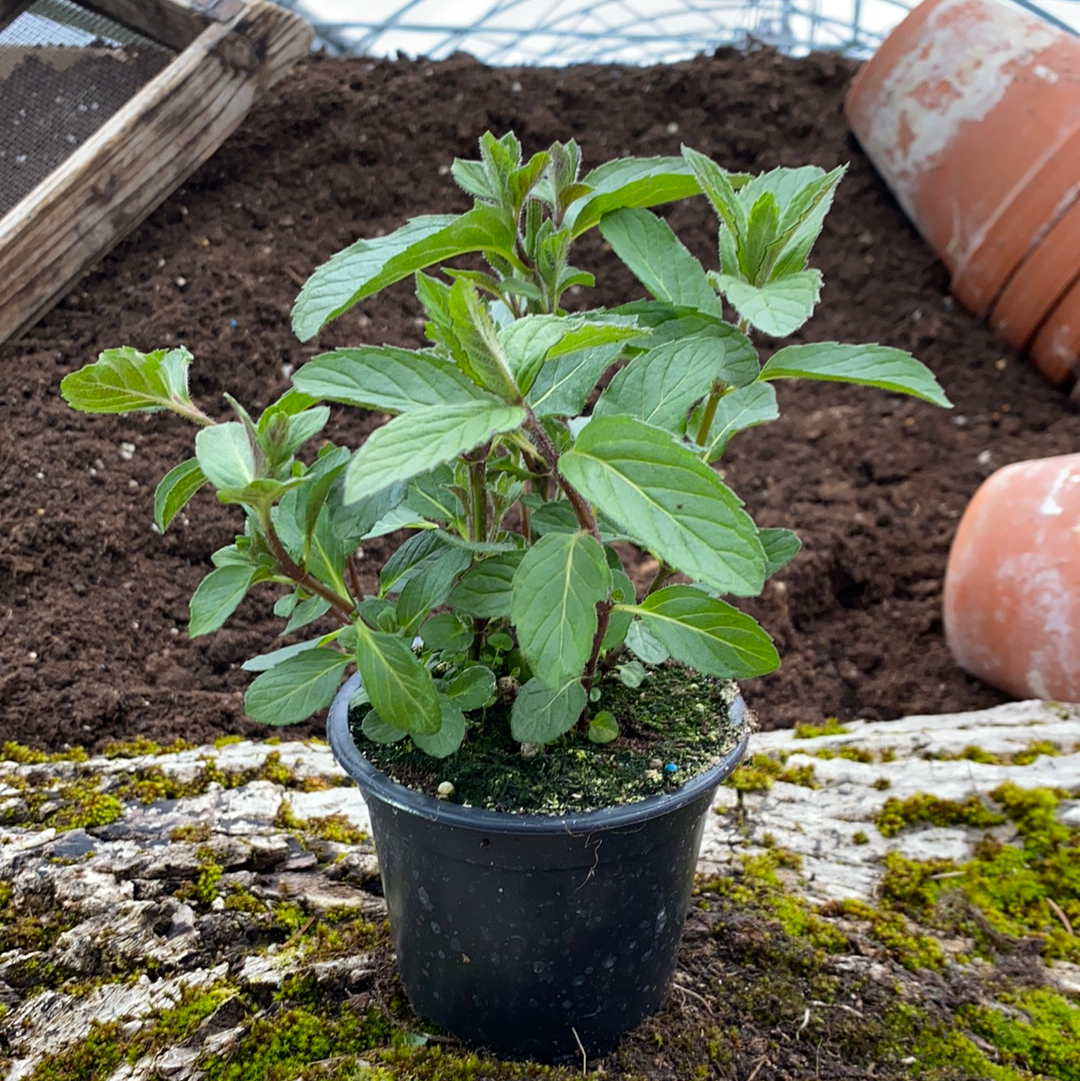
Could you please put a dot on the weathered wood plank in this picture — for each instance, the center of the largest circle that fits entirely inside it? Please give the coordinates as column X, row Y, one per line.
column 138, row 157
column 176, row 23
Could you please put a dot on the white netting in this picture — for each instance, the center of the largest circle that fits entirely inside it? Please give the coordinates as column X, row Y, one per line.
column 608, row 31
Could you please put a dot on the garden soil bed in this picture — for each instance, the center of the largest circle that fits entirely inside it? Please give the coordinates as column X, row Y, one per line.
column 93, row 602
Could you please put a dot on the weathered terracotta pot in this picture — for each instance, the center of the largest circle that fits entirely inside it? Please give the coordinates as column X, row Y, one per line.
column 1057, row 344
column 970, row 110
column 1012, row 583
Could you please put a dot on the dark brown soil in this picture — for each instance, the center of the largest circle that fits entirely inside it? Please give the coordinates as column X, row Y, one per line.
column 93, row 602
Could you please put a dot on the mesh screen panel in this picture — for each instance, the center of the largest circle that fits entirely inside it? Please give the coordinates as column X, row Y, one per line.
column 64, row 71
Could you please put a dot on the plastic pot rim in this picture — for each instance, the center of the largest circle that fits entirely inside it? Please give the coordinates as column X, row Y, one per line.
column 388, row 791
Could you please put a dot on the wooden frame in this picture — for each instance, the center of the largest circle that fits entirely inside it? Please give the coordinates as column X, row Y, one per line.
column 229, row 53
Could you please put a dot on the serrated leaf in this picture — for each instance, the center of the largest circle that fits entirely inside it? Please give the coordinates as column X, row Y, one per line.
column 868, row 365
column 563, row 385
column 124, row 380
column 296, row 688
column 658, row 259
column 629, row 182
column 388, row 378
column 707, row 634
column 225, row 456
column 781, row 547
column 472, row 688
column 659, row 386
column 481, row 352
column 485, row 590
column 739, row 409
column 603, row 728
column 540, row 714
column 422, row 547
column 449, row 736
column 560, row 581
column 762, row 227
column 416, row 442
column 718, row 187
column 175, row 490
column 777, row 308
column 398, row 685
column 429, row 587
column 666, row 497
column 217, row 596
column 367, row 266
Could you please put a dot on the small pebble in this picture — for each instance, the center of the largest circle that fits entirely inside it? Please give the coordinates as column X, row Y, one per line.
column 445, row 790
column 233, row 323
column 671, row 767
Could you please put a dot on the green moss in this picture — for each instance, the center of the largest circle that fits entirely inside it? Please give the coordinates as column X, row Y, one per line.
column 759, row 772
column 226, row 741
column 1024, row 757
column 1029, row 888
column 205, row 888
column 882, row 784
column 26, row 756
column 141, row 747
column 852, row 754
column 831, row 727
column 190, row 833
column 1037, row 1030
column 911, row 948
column 859, row 838
column 924, row 809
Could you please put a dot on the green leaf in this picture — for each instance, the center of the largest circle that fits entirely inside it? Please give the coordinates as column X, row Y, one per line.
column 481, row 350
column 718, row 187
column 378, row 731
column 658, row 259
column 868, row 365
column 762, row 226
column 225, row 456
column 739, row 409
column 556, row 589
column 540, row 714
column 175, row 490
column 708, row 635
column 781, row 547
column 643, row 643
column 296, row 688
column 306, row 612
column 367, row 266
column 217, row 597
column 670, row 500
column 398, row 685
column 777, row 308
column 563, row 385
column 449, row 736
column 803, row 214
column 384, row 377
column 429, row 587
column 622, row 592
column 603, row 728
column 632, row 674
column 629, row 182
column 486, row 589
column 472, row 688
column 445, row 633
column 660, row 386
column 265, row 661
column 421, row 548
column 416, row 442
column 124, row 380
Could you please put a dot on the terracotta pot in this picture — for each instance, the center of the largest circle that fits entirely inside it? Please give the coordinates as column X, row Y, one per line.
column 1012, row 583
column 970, row 110
column 1057, row 344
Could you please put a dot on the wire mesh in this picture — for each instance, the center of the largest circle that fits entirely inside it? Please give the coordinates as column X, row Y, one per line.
column 64, row 70
column 604, row 31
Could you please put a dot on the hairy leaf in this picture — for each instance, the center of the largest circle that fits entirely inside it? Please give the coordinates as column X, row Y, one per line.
column 295, row 688
column 124, row 380
column 485, row 590
column 777, row 308
column 175, row 490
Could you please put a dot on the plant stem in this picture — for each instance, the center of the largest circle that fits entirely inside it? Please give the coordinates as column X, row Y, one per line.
column 547, row 450
column 478, row 492
column 354, row 578
column 603, row 615
column 342, row 606
column 663, row 573
column 709, row 413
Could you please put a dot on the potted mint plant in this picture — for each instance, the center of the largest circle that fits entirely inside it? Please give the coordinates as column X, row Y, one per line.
column 532, row 454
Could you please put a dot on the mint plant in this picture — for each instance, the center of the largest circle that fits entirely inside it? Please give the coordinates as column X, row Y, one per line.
column 512, row 492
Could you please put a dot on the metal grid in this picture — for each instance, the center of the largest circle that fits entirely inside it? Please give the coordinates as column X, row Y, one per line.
column 64, row 71
column 608, row 31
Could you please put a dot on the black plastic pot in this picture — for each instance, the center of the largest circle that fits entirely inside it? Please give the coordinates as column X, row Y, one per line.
column 533, row 936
